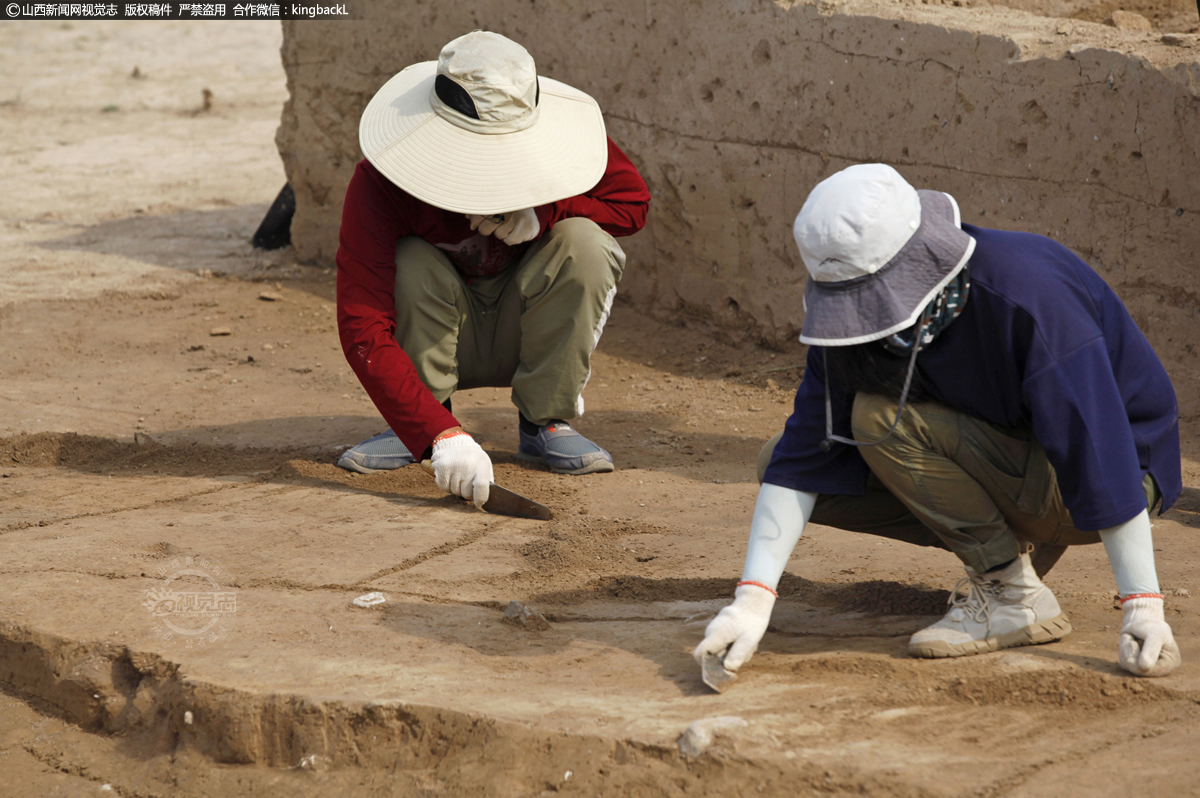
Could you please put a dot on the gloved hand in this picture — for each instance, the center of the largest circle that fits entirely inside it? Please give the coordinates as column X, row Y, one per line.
column 515, row 227
column 462, row 467
column 739, row 627
column 1147, row 647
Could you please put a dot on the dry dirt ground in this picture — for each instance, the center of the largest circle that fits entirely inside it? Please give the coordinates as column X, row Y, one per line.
column 140, row 453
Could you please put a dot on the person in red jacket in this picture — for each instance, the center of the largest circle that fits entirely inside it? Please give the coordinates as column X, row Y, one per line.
column 477, row 249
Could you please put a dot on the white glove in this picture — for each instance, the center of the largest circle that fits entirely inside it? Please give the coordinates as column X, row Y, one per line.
column 515, row 227
column 1147, row 647
column 462, row 467
column 739, row 627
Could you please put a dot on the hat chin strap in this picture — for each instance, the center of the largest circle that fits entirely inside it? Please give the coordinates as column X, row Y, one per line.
column 830, row 438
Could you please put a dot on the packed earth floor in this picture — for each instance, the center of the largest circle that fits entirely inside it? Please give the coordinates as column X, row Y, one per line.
column 172, row 403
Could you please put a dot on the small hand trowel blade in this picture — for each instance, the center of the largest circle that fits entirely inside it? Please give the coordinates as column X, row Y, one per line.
column 712, row 670
column 503, row 501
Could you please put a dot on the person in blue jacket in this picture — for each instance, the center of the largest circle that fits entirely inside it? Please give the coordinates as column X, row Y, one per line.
column 977, row 390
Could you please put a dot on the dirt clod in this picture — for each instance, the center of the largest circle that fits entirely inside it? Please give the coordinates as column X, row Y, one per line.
column 524, row 617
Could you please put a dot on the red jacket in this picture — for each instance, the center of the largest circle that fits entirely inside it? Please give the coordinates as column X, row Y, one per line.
column 376, row 214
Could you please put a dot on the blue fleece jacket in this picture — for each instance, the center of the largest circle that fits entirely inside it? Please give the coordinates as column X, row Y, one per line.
column 1042, row 344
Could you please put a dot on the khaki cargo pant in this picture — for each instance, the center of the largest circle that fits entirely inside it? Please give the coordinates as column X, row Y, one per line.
column 532, row 327
column 948, row 480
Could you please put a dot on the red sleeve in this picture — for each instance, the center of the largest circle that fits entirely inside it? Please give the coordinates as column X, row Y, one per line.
column 618, row 203
column 373, row 219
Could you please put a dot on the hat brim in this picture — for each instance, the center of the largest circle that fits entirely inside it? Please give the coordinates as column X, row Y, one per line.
column 564, row 153
column 878, row 305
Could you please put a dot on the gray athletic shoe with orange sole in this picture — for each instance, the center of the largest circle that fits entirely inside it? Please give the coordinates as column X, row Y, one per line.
column 382, row 452
column 559, row 446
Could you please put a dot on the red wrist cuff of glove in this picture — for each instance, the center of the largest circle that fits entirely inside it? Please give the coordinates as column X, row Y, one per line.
column 1131, row 596
column 758, row 584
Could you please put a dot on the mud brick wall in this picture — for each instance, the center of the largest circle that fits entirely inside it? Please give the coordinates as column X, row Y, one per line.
column 734, row 110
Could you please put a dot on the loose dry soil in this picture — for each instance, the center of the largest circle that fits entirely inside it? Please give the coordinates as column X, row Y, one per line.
column 137, row 448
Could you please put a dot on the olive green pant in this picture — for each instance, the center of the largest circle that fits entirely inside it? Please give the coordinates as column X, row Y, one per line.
column 532, row 327
column 948, row 480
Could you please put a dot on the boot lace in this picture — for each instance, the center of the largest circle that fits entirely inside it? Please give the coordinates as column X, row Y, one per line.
column 977, row 602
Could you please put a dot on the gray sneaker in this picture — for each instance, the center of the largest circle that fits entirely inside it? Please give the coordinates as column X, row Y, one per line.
column 382, row 452
column 559, row 446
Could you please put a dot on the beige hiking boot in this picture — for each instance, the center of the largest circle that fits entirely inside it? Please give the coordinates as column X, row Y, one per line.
column 1001, row 609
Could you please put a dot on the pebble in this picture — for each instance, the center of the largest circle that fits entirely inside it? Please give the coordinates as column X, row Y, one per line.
column 271, row 296
column 372, row 599
column 220, row 331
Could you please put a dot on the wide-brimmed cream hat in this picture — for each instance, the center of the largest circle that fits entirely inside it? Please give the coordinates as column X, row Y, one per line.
column 478, row 132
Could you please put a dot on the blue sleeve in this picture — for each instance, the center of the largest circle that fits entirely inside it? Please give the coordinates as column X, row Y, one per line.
column 798, row 461
column 1081, row 421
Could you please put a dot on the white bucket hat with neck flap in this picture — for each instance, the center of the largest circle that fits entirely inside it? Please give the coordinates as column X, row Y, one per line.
column 877, row 252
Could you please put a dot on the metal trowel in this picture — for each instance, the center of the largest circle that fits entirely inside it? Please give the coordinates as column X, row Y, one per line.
column 502, row 501
column 712, row 670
